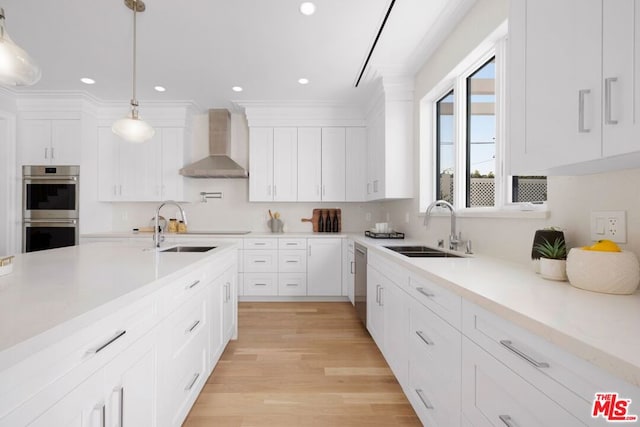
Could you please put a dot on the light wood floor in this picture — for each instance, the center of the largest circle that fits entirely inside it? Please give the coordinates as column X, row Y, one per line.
column 301, row 364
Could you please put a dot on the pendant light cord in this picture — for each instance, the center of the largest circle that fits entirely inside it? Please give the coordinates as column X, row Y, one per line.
column 134, row 101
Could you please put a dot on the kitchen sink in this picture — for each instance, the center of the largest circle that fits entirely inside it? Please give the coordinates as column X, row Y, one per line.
column 188, row 249
column 421, row 252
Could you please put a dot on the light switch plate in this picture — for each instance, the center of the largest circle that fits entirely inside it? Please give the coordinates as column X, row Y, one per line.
column 609, row 225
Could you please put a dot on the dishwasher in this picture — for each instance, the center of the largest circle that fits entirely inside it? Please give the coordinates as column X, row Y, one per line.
column 360, row 293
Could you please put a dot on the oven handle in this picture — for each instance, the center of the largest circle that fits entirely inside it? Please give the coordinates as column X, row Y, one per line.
column 63, row 178
column 50, row 221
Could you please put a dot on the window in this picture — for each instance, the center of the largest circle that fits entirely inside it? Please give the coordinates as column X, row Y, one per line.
column 463, row 138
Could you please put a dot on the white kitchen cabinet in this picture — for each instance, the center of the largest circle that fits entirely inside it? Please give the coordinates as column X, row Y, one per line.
column 333, row 164
column 390, row 147
column 273, row 164
column 222, row 309
column 572, row 84
column 321, row 164
column 229, row 305
column 494, row 396
column 356, row 164
column 348, row 269
column 324, row 266
column 140, row 172
column 309, row 164
column 375, row 310
column 44, row 141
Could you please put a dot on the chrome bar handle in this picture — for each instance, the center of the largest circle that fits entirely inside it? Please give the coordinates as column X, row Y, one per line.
column 46, row 153
column 424, row 399
column 607, row 101
column 192, row 327
column 381, row 293
column 53, row 153
column 509, row 345
column 426, row 293
column 581, row 94
column 102, row 414
column 191, row 286
column 424, row 338
column 507, row 420
column 192, row 382
column 353, row 267
column 104, row 345
column 378, row 294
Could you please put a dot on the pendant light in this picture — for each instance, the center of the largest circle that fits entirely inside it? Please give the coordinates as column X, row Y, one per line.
column 17, row 68
column 132, row 128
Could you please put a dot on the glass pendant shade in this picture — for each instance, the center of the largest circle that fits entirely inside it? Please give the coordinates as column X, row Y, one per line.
column 17, row 68
column 132, row 128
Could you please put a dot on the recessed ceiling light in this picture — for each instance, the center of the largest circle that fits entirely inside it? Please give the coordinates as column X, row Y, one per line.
column 237, row 89
column 160, row 88
column 303, row 81
column 307, row 8
column 87, row 81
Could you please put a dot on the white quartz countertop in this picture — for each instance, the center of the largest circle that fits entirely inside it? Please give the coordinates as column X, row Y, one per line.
column 52, row 293
column 219, row 234
column 600, row 328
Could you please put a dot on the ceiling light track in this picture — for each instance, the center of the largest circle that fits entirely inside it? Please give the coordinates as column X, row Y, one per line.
column 375, row 42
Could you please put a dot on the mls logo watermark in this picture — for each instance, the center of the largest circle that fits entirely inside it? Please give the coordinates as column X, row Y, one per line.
column 612, row 408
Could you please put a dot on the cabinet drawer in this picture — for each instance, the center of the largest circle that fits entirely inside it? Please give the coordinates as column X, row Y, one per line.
column 292, row 284
column 183, row 288
column 260, row 244
column 186, row 323
column 186, row 376
column 444, row 303
column 568, row 380
column 256, row 261
column 292, row 261
column 260, row 284
column 39, row 380
column 434, row 367
column 493, row 395
column 292, row 244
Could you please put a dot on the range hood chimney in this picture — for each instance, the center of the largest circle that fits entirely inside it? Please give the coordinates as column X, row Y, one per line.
column 218, row 164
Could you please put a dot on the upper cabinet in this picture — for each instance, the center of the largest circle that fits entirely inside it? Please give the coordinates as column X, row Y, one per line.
column 390, row 142
column 273, row 164
column 140, row 172
column 573, row 85
column 49, row 141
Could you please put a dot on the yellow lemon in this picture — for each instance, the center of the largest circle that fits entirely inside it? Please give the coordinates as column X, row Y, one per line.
column 605, row 246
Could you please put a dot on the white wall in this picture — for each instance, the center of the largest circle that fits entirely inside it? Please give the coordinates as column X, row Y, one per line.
column 234, row 211
column 570, row 199
column 8, row 175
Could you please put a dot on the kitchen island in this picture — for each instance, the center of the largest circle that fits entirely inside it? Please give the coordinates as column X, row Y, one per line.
column 107, row 318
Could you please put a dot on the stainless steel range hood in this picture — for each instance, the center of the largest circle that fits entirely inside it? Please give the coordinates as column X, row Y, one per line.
column 218, row 164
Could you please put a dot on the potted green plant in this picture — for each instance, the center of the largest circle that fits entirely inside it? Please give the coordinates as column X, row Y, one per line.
column 553, row 259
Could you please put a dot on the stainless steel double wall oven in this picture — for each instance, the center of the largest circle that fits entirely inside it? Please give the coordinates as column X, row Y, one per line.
column 50, row 207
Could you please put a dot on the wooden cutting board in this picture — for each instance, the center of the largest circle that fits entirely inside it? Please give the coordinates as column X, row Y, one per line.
column 315, row 219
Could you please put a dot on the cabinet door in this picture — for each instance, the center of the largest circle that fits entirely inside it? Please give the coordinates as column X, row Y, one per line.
column 356, row 165
column 621, row 58
column 348, row 270
column 261, row 164
column 333, row 164
column 140, row 169
column 285, row 164
column 83, row 407
column 324, row 267
column 216, row 295
column 109, row 188
column 309, row 164
column 375, row 156
column 555, row 96
column 229, row 308
column 375, row 311
column 65, row 142
column 131, row 385
column 172, row 161
column 34, row 142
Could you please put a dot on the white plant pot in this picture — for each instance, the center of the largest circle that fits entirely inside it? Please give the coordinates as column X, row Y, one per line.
column 606, row 272
column 553, row 269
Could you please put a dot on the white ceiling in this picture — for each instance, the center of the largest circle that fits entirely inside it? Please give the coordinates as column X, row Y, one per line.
column 199, row 49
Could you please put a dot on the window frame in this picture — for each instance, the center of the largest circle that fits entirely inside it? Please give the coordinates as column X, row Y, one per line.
column 456, row 80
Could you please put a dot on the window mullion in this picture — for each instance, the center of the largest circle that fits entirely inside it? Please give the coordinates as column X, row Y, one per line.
column 460, row 174
column 502, row 185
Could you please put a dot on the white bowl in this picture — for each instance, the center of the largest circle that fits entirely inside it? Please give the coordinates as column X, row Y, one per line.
column 606, row 272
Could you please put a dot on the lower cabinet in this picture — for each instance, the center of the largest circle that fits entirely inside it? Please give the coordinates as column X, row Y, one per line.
column 324, row 266
column 142, row 366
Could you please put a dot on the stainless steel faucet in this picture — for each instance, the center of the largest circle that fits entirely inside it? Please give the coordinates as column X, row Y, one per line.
column 156, row 228
column 454, row 238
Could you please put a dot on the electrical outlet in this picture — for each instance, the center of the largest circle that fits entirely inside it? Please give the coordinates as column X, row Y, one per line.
column 609, row 225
